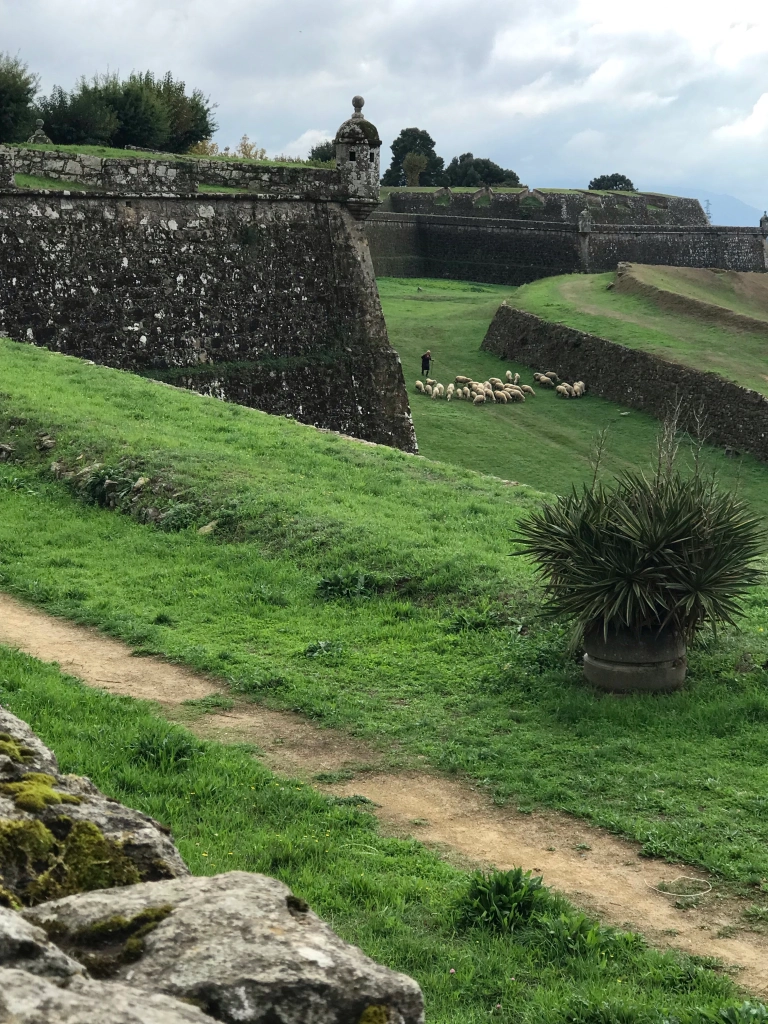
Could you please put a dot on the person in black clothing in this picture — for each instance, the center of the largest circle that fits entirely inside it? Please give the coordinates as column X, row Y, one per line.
column 426, row 359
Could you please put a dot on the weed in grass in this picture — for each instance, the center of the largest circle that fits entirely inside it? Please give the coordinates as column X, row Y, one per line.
column 165, row 750
column 211, row 702
column 348, row 583
column 502, row 900
column 323, row 649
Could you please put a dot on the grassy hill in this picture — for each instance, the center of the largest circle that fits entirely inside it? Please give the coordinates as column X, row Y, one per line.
column 397, row 568
column 732, row 291
column 589, row 302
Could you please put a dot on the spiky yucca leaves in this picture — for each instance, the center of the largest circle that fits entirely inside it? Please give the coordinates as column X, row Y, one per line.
column 672, row 550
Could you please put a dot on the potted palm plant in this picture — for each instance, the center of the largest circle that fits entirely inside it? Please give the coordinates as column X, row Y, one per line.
column 640, row 565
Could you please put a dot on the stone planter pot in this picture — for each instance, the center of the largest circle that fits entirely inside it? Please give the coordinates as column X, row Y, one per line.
column 628, row 662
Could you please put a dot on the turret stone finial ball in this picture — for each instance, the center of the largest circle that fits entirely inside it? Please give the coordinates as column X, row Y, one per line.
column 358, row 103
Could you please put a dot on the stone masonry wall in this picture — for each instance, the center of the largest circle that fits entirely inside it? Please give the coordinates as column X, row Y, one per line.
column 506, row 251
column 269, row 301
column 736, row 417
column 550, row 205
column 132, row 174
column 471, row 249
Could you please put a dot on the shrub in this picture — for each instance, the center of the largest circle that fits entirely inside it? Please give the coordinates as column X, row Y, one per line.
column 501, row 900
column 648, row 552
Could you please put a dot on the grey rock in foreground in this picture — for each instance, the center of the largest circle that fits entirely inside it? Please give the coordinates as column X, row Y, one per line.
column 90, row 840
column 25, row 999
column 244, row 949
column 26, row 946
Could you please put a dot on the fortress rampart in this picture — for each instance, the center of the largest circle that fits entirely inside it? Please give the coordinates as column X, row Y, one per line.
column 268, row 299
column 516, row 235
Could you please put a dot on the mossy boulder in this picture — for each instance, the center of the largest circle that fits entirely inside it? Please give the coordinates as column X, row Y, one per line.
column 240, row 946
column 60, row 835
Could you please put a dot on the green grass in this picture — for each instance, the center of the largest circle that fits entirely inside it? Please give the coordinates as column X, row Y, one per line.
column 546, row 442
column 35, row 181
column 446, row 660
column 221, row 188
column 742, row 293
column 583, row 301
column 390, row 896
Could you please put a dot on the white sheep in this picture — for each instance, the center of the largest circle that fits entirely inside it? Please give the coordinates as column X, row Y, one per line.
column 516, row 395
column 428, row 390
column 419, row 387
column 517, row 379
column 500, row 396
column 431, row 382
column 478, row 400
column 563, row 392
column 552, row 376
column 462, row 380
column 451, row 388
column 467, row 392
column 435, row 393
column 508, row 375
column 489, row 395
column 527, row 389
column 546, row 382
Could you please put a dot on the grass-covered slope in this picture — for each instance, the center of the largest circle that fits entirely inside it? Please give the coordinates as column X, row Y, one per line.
column 744, row 293
column 545, row 442
column 440, row 655
column 586, row 302
column 390, row 896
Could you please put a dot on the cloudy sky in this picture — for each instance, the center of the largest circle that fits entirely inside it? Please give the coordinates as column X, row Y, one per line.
column 673, row 93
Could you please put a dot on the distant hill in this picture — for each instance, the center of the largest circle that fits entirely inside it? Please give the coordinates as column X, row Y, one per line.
column 727, row 209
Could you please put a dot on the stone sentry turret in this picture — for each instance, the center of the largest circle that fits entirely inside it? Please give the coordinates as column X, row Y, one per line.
column 358, row 158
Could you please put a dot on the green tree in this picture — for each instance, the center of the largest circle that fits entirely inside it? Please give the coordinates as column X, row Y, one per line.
column 190, row 118
column 82, row 116
column 414, row 165
column 414, row 140
column 323, row 151
column 18, row 86
column 143, row 118
column 469, row 170
column 612, row 183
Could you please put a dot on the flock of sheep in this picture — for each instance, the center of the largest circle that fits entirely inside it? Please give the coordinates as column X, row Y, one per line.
column 496, row 390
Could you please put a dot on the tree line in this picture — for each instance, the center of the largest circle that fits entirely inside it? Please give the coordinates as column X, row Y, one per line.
column 143, row 110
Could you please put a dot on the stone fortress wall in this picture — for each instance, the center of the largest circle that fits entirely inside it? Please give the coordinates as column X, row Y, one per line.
column 512, row 236
column 266, row 298
column 736, row 418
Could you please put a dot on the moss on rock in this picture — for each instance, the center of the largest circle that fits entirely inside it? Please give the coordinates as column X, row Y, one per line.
column 104, row 946
column 17, row 751
column 34, row 792
column 36, row 866
column 84, row 861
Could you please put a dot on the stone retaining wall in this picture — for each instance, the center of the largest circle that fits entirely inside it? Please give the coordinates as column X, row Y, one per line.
column 112, row 174
column 736, row 417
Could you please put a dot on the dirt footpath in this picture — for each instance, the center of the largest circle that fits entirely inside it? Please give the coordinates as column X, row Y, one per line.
column 599, row 873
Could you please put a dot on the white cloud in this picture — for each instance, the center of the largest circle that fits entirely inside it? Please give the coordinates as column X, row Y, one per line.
column 753, row 126
column 301, row 146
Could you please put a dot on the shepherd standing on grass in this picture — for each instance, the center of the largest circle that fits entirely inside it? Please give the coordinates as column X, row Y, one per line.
column 426, row 359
